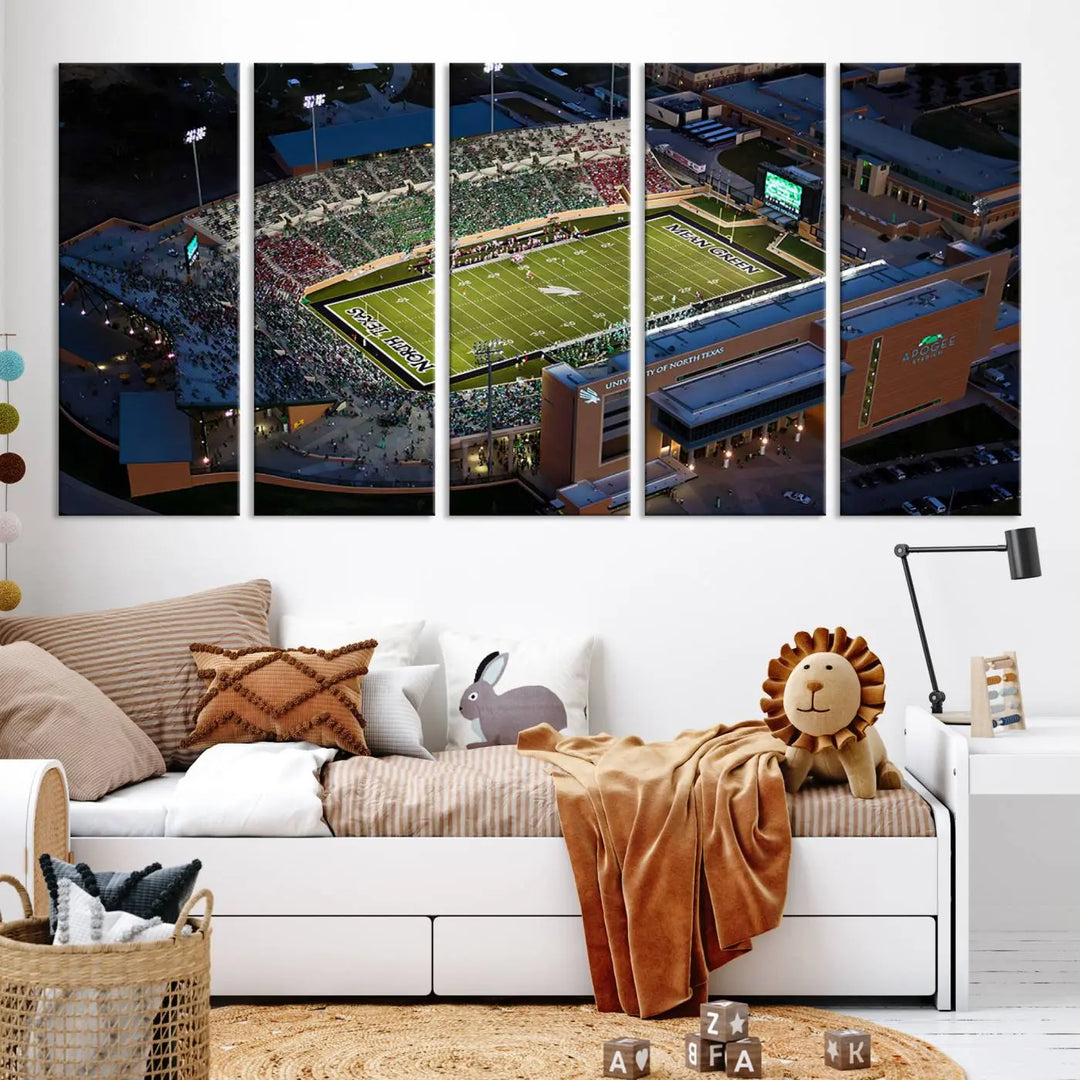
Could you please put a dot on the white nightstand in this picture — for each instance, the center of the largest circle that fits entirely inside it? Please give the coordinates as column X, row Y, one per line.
column 944, row 757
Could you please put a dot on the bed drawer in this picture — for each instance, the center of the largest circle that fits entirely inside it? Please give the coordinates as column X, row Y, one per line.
column 321, row 956
column 836, row 956
column 533, row 956
column 805, row 956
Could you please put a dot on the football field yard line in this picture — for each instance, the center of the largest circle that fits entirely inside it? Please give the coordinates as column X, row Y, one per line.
column 537, row 321
column 673, row 266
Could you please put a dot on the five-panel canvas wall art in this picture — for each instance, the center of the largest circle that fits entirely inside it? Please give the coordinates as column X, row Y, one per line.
column 542, row 180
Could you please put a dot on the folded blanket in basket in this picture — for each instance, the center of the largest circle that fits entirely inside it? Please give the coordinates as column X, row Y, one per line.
column 680, row 853
column 95, row 1033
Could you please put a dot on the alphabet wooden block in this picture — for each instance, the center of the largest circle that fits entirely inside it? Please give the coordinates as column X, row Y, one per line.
column 847, row 1048
column 743, row 1058
column 704, row 1055
column 723, row 1021
column 626, row 1058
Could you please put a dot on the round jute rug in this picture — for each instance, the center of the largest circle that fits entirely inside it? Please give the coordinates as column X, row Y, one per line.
column 523, row 1042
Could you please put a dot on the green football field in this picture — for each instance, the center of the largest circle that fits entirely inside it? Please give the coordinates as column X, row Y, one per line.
column 554, row 294
column 684, row 262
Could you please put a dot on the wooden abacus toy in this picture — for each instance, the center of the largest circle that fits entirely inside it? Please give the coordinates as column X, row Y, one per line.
column 996, row 702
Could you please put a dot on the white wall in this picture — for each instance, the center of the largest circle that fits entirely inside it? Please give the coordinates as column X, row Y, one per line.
column 688, row 611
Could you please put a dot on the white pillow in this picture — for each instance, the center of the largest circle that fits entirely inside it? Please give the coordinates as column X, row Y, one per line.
column 391, row 700
column 525, row 682
column 397, row 641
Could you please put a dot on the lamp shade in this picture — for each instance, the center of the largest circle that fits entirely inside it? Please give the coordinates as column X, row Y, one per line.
column 1023, row 550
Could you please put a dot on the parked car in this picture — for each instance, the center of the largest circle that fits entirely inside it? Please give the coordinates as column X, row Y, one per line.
column 895, row 472
column 984, row 457
column 935, row 465
column 910, row 508
column 933, row 505
column 999, row 493
column 1011, row 453
column 861, row 481
column 968, row 461
column 799, row 497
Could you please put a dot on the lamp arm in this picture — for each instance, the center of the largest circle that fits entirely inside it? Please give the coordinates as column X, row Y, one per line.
column 937, row 696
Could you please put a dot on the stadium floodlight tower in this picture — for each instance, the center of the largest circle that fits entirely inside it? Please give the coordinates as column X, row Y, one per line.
column 490, row 68
column 487, row 352
column 311, row 101
column 194, row 136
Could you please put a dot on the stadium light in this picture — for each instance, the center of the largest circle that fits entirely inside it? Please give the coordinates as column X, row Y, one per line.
column 310, row 102
column 195, row 136
column 485, row 351
column 490, row 68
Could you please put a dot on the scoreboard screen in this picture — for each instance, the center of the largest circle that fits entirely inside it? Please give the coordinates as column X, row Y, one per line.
column 784, row 193
column 192, row 250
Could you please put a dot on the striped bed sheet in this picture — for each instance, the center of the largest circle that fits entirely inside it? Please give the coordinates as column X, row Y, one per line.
column 495, row 791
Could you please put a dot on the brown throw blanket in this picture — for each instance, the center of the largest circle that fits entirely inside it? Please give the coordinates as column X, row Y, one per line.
column 680, row 852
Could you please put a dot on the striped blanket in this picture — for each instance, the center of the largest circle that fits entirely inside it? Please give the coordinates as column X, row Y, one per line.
column 495, row 791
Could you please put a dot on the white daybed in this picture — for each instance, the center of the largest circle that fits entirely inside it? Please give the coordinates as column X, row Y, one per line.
column 472, row 917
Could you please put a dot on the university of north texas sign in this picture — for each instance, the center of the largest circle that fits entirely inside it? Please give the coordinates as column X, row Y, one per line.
column 932, row 345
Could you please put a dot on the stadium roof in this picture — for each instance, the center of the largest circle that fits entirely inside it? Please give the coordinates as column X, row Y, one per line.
column 741, row 386
column 885, row 208
column 680, row 103
column 795, row 101
column 964, row 169
column 874, row 278
column 153, row 429
column 804, row 303
column 929, row 299
column 338, row 142
column 751, row 96
column 614, row 366
column 474, row 118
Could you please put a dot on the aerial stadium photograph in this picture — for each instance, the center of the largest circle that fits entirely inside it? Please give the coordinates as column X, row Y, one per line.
column 734, row 291
column 930, row 288
column 539, row 284
column 344, row 288
column 148, row 289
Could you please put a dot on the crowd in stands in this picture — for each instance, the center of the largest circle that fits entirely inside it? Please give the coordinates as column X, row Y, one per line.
column 199, row 313
column 609, row 176
column 514, row 404
column 299, row 195
column 615, row 339
column 521, row 144
column 220, row 219
column 492, row 203
column 656, row 179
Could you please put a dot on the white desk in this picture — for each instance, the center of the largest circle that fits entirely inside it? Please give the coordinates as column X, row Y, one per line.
column 1043, row 760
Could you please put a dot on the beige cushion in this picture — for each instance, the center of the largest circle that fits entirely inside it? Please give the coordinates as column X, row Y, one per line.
column 140, row 656
column 50, row 711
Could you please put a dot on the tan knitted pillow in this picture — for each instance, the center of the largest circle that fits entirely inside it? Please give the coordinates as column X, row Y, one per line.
column 264, row 694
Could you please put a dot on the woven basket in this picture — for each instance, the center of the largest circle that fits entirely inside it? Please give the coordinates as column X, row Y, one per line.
column 104, row 1012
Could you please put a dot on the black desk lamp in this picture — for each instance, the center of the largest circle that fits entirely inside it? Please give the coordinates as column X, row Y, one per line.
column 1023, row 551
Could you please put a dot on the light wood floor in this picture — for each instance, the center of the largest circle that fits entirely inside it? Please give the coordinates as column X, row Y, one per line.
column 1024, row 1020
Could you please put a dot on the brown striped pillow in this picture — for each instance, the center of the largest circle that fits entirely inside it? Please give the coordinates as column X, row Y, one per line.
column 50, row 711
column 140, row 656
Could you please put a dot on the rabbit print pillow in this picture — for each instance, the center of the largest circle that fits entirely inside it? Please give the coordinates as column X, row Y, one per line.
column 496, row 687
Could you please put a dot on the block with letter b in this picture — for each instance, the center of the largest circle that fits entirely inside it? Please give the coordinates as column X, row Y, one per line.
column 724, row 1021
column 704, row 1055
column 743, row 1058
column 627, row 1058
column 847, row 1048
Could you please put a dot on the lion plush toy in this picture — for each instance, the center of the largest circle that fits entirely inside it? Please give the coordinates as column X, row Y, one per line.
column 824, row 694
